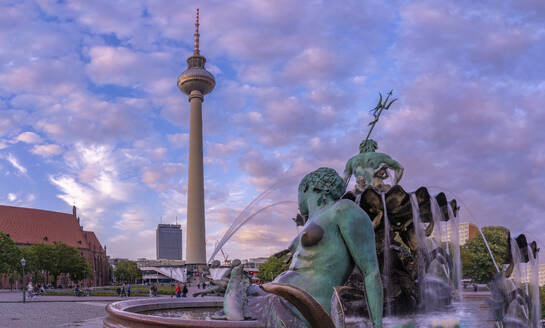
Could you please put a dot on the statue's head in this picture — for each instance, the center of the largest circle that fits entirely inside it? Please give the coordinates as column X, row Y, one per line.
column 325, row 182
column 367, row 146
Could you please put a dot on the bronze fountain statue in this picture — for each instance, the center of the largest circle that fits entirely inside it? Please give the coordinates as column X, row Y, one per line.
column 360, row 253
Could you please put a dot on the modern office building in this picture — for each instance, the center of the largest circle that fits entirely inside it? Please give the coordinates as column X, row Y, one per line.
column 169, row 241
column 525, row 268
column 466, row 231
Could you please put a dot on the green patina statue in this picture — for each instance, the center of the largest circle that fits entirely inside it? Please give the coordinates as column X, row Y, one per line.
column 370, row 168
column 337, row 236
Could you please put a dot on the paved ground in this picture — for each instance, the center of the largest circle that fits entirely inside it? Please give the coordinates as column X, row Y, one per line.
column 52, row 314
column 55, row 311
column 71, row 311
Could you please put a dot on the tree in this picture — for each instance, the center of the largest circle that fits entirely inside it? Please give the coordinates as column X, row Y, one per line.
column 57, row 259
column 127, row 271
column 272, row 268
column 10, row 258
column 10, row 255
column 70, row 261
column 542, row 300
column 476, row 262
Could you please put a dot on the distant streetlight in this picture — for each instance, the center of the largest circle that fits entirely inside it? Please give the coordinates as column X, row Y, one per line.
column 23, row 262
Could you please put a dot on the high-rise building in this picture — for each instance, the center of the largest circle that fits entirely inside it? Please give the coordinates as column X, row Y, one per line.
column 195, row 82
column 466, row 231
column 169, row 241
column 526, row 276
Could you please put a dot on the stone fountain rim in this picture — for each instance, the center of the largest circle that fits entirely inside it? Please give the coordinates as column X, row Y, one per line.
column 121, row 310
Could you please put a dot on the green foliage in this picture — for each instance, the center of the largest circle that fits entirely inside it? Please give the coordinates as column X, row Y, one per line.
column 10, row 255
column 127, row 271
column 272, row 268
column 55, row 260
column 50, row 259
column 542, row 300
column 476, row 262
column 70, row 261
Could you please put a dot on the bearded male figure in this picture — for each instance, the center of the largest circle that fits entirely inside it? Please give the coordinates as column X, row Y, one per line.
column 371, row 168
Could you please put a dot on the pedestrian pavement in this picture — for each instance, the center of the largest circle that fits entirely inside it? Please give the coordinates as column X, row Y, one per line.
column 59, row 311
column 7, row 296
column 17, row 297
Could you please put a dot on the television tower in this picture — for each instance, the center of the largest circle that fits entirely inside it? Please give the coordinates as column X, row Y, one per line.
column 195, row 82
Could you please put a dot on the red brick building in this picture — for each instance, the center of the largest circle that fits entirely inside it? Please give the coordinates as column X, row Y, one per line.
column 28, row 226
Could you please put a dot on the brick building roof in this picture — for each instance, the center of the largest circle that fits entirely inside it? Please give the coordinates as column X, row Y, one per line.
column 92, row 241
column 33, row 226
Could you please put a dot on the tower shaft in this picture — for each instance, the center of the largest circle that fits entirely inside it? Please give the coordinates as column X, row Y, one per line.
column 195, row 82
column 196, row 244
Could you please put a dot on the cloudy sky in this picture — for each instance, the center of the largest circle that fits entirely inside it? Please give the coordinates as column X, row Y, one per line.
column 90, row 113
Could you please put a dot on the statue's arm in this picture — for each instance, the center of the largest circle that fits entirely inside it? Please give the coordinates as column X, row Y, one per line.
column 291, row 248
column 394, row 165
column 347, row 171
column 357, row 231
column 294, row 244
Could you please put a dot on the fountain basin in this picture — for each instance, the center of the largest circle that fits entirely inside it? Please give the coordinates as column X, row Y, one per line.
column 125, row 314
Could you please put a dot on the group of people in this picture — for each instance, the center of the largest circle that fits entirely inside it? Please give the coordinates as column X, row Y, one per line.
column 203, row 285
column 124, row 290
column 181, row 291
column 34, row 290
column 153, row 290
column 80, row 291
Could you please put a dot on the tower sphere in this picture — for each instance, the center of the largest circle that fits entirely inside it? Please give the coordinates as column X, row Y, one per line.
column 196, row 77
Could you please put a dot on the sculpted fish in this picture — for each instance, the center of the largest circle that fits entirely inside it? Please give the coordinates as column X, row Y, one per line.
column 236, row 299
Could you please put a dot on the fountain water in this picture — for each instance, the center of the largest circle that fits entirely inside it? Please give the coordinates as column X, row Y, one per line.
column 217, row 273
column 456, row 258
column 534, row 288
column 489, row 251
column 387, row 265
column 423, row 253
column 239, row 223
column 242, row 215
column 517, row 261
column 437, row 217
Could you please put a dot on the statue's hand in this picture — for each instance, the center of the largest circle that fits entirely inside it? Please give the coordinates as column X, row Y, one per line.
column 281, row 253
column 377, row 220
column 398, row 174
column 429, row 229
column 300, row 220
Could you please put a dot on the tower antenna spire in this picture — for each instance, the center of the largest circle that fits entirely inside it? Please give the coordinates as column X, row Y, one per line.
column 196, row 35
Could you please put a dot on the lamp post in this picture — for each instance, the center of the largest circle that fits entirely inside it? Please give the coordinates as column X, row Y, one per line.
column 23, row 262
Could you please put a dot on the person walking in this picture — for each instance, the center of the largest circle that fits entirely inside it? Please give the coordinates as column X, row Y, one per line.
column 123, row 290
column 184, row 291
column 30, row 290
column 178, row 291
column 128, row 290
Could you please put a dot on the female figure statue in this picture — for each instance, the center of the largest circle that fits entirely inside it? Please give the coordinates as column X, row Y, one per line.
column 337, row 236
